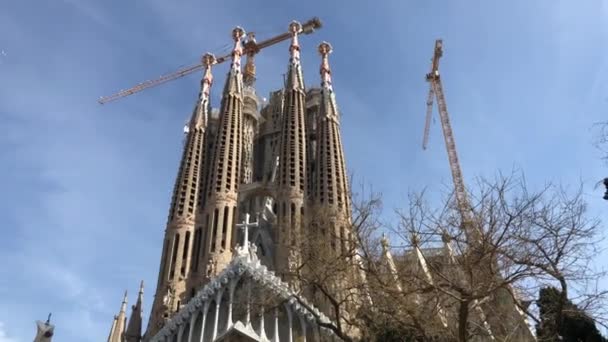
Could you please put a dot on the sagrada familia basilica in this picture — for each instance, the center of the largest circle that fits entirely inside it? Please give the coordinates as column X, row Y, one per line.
column 251, row 177
column 247, row 176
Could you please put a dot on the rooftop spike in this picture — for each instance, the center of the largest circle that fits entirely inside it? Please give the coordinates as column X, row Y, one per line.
column 234, row 82
column 133, row 332
column 200, row 115
column 295, row 80
column 120, row 322
column 295, row 28
column 123, row 306
column 237, row 51
column 325, row 49
column 384, row 242
column 44, row 330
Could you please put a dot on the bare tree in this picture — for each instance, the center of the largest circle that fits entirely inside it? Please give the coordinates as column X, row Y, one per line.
column 524, row 241
column 436, row 283
column 559, row 242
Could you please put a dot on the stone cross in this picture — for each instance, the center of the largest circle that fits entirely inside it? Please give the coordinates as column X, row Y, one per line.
column 245, row 226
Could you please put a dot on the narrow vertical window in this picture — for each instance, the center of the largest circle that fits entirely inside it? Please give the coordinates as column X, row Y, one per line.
column 342, row 240
column 214, row 230
column 225, row 226
column 204, row 235
column 196, row 250
column 174, row 256
column 185, row 254
column 232, row 225
column 292, row 213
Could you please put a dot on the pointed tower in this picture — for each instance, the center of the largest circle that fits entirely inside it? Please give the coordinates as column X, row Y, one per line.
column 291, row 181
column 119, row 323
column 330, row 188
column 177, row 247
column 44, row 331
column 222, row 186
column 133, row 333
column 331, row 221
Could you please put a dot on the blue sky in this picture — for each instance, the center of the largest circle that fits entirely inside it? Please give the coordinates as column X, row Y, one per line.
column 85, row 189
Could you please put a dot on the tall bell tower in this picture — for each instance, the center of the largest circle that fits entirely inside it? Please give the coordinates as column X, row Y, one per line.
column 178, row 240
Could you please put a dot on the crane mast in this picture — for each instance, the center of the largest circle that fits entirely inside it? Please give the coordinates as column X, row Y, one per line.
column 436, row 91
column 250, row 48
column 471, row 230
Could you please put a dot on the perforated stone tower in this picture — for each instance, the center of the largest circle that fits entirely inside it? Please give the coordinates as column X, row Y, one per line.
column 254, row 158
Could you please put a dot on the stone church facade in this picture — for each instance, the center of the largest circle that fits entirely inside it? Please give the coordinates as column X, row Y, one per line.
column 250, row 176
column 264, row 161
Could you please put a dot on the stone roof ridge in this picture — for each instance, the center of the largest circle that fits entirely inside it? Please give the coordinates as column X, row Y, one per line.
column 259, row 273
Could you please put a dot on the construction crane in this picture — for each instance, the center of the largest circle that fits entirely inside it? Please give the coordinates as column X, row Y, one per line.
column 471, row 230
column 250, row 48
column 436, row 92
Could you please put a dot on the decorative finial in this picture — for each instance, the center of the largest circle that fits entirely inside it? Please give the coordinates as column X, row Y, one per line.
column 325, row 49
column 237, row 33
column 415, row 239
column 123, row 306
column 200, row 115
column 295, row 28
column 384, row 242
column 141, row 287
column 48, row 320
column 208, row 60
column 237, row 52
column 445, row 237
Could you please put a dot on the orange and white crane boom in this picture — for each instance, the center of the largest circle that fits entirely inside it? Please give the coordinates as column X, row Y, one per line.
column 251, row 47
column 436, row 91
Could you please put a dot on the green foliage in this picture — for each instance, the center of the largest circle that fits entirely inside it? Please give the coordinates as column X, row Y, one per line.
column 571, row 323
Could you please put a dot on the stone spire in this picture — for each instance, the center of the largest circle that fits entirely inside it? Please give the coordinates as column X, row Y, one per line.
column 291, row 182
column 424, row 268
column 45, row 330
column 222, row 186
column 389, row 263
column 119, row 323
column 331, row 183
column 177, row 250
column 133, row 333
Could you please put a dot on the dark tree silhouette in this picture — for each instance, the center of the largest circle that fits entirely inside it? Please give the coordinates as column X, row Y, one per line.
column 572, row 324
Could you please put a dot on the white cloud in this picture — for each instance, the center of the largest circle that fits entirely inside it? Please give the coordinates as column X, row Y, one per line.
column 4, row 335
